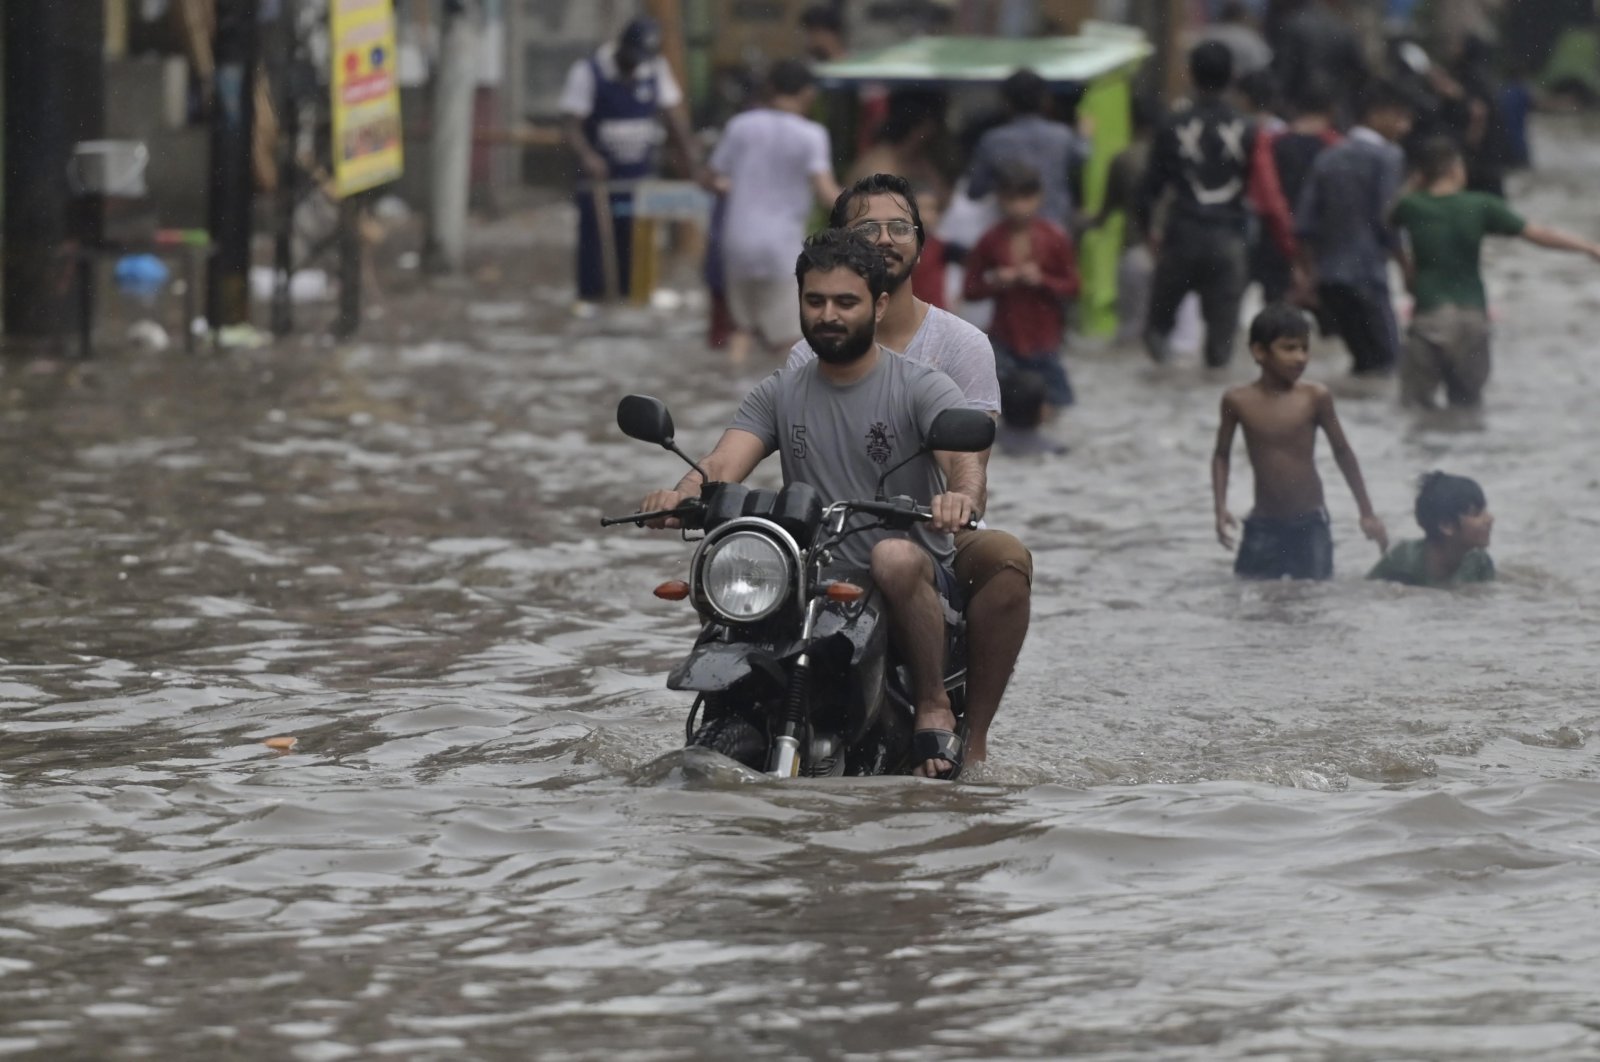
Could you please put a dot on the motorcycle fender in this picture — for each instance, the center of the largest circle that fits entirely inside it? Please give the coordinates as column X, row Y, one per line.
column 713, row 666
column 865, row 631
column 867, row 634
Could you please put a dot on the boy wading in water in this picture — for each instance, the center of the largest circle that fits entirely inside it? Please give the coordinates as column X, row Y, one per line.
column 1453, row 513
column 1286, row 534
column 1448, row 343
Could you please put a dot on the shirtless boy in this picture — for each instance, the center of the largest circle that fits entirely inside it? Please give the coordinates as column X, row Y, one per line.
column 1286, row 534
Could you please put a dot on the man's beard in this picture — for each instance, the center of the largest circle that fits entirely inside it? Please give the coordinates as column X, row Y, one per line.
column 899, row 271
column 841, row 347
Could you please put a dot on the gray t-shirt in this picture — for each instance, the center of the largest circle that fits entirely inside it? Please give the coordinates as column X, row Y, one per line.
column 946, row 344
column 769, row 157
column 840, row 439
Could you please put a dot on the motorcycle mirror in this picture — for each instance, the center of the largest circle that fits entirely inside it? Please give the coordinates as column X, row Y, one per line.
column 646, row 419
column 961, row 431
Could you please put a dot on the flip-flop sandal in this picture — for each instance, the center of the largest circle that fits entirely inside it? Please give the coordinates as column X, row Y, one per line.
column 935, row 744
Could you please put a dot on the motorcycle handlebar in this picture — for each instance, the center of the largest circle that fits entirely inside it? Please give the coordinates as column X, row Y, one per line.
column 895, row 510
column 687, row 511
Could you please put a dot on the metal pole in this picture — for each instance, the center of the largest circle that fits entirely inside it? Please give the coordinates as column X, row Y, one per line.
column 54, row 97
column 288, row 170
column 232, row 174
column 455, row 83
column 350, row 252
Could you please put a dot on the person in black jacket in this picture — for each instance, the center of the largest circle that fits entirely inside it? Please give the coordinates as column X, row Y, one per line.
column 1202, row 154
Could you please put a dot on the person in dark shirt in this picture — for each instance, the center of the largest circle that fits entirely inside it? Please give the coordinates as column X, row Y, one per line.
column 1278, row 169
column 1318, row 42
column 1202, row 155
column 1342, row 222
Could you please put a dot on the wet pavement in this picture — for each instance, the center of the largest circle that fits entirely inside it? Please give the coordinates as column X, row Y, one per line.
column 1345, row 821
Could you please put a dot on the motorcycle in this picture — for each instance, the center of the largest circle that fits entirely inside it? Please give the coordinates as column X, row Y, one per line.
column 792, row 670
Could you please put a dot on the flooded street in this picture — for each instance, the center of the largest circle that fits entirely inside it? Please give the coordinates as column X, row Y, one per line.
column 1346, row 821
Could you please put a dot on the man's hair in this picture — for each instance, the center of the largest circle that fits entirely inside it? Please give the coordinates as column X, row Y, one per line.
column 1211, row 66
column 837, row 248
column 1444, row 499
column 642, row 37
column 1024, row 92
column 1279, row 321
column 1315, row 96
column 789, row 77
column 908, row 110
column 822, row 17
column 1385, row 96
column 1261, row 89
column 1437, row 157
column 1014, row 179
column 876, row 184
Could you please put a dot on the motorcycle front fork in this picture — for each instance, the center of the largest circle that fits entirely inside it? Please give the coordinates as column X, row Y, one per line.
column 786, row 749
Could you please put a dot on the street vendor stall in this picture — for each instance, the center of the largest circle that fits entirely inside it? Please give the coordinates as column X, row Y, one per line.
column 1101, row 59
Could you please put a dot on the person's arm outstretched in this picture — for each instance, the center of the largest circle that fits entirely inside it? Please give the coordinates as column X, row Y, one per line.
column 1328, row 420
column 1557, row 240
column 1220, row 462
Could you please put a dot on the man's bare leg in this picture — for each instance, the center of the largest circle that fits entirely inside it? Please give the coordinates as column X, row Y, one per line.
column 903, row 572
column 997, row 625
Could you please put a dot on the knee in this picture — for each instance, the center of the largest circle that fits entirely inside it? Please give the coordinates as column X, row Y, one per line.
column 899, row 566
column 1005, row 595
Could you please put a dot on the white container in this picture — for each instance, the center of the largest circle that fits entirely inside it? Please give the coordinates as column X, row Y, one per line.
column 108, row 167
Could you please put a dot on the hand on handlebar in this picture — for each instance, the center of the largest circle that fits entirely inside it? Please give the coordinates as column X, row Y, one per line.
column 663, row 499
column 953, row 512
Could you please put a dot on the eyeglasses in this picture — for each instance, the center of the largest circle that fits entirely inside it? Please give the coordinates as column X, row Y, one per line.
column 899, row 231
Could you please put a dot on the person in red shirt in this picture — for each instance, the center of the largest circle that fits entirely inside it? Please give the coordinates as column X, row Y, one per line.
column 1029, row 267
column 928, row 277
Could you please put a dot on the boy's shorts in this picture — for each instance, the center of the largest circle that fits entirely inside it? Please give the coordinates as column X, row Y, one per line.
column 1448, row 345
column 769, row 307
column 1048, row 366
column 1296, row 547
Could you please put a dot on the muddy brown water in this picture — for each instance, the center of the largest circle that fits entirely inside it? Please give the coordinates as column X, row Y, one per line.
column 1341, row 822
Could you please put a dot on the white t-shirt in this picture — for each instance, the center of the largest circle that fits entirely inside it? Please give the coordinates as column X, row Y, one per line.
column 952, row 346
column 769, row 157
column 577, row 96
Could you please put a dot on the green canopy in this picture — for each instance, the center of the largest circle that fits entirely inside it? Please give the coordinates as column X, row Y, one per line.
column 1098, row 50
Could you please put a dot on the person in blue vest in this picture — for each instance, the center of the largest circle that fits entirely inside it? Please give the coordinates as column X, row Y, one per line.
column 614, row 104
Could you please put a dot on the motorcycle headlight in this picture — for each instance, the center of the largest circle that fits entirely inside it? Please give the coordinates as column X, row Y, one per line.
column 746, row 576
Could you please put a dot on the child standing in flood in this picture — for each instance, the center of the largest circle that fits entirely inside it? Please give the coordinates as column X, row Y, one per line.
column 1029, row 267
column 1447, row 345
column 1287, row 533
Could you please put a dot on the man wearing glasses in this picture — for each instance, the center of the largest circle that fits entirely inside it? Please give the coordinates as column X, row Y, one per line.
column 992, row 567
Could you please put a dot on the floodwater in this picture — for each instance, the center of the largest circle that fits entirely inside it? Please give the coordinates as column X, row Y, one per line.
column 1342, row 822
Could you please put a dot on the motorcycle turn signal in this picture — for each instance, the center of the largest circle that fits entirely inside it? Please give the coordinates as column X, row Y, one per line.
column 846, row 592
column 672, row 590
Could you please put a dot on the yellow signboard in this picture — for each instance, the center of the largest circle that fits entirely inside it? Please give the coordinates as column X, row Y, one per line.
column 366, row 95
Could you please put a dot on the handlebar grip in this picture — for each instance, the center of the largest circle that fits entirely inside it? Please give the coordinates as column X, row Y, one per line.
column 685, row 512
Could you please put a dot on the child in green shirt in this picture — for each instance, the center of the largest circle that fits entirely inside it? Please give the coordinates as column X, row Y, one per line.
column 1448, row 341
column 1455, row 517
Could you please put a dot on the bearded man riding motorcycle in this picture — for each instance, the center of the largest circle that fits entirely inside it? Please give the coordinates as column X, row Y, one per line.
column 839, row 422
